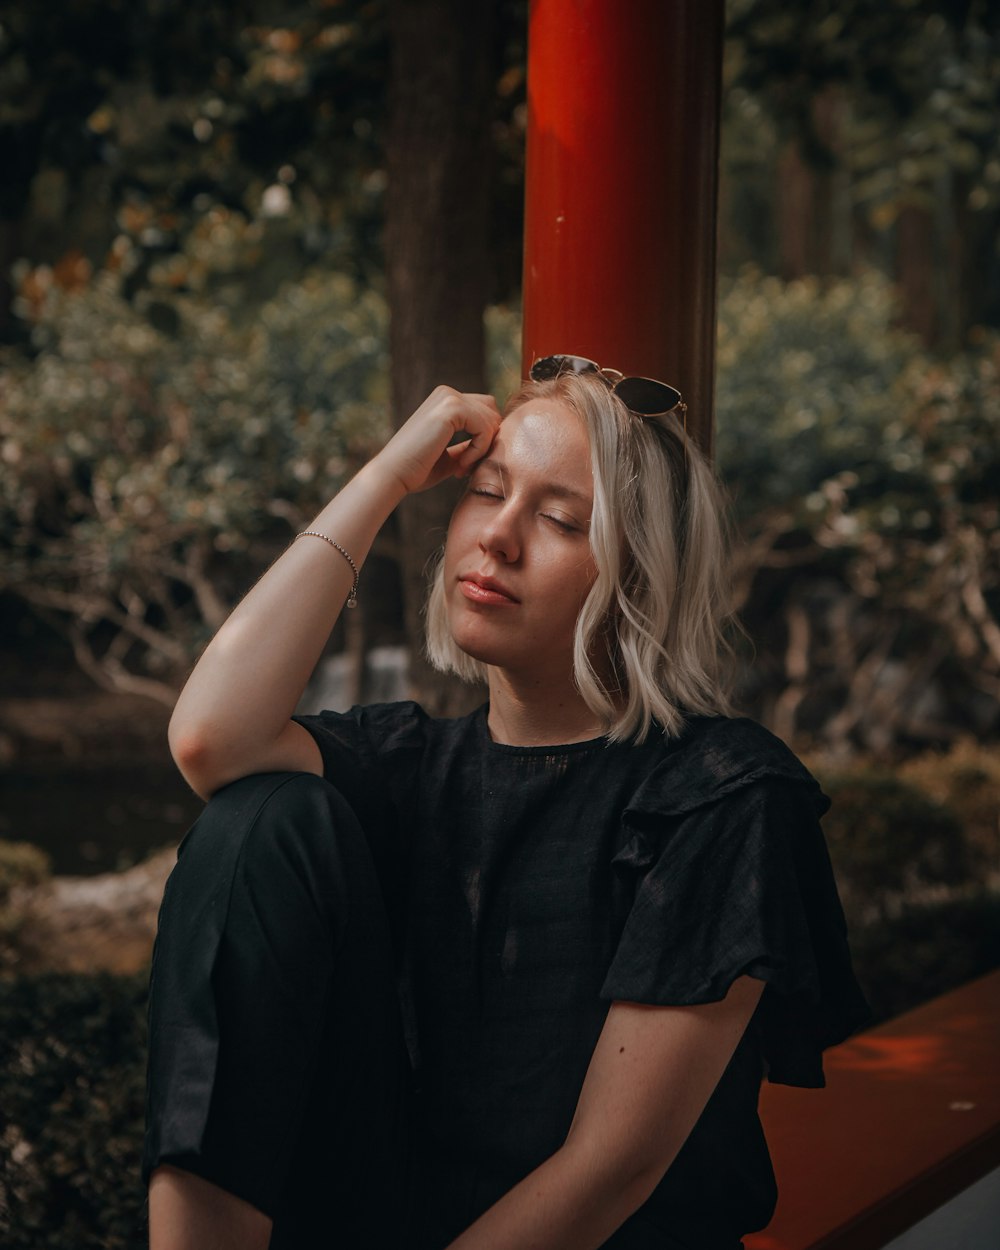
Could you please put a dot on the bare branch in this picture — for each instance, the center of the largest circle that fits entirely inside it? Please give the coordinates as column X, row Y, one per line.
column 88, row 608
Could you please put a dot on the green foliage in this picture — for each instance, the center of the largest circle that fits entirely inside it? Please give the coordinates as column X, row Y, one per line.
column 163, row 113
column 926, row 951
column 21, row 864
column 917, row 859
column 147, row 473
column 808, row 380
column 918, row 82
column 72, row 1087
column 864, row 474
column 966, row 779
column 887, row 839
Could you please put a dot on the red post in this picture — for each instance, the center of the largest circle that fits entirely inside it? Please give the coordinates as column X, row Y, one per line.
column 621, row 189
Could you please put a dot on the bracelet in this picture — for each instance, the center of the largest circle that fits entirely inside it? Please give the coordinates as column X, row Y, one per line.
column 352, row 598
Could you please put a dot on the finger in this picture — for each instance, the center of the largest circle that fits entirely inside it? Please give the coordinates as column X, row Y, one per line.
column 488, row 400
column 451, row 462
column 479, row 444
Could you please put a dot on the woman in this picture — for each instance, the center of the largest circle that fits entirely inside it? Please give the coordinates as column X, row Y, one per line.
column 510, row 980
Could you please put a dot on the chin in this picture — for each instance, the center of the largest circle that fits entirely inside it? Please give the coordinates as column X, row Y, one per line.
column 479, row 647
column 484, row 640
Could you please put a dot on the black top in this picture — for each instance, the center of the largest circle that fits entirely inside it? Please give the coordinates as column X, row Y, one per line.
column 539, row 884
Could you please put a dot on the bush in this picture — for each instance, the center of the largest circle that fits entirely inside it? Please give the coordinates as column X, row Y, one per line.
column 21, row 864
column 864, row 477
column 72, row 1088
column 888, row 841
column 152, row 460
column 926, row 951
column 967, row 779
column 915, row 854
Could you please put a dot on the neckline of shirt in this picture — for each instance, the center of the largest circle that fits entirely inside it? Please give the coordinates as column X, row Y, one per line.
column 555, row 748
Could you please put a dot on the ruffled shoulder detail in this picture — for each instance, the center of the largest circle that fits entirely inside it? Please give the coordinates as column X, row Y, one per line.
column 724, row 860
column 712, row 758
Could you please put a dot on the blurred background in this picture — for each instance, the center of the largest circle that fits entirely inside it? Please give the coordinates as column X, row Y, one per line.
column 195, row 350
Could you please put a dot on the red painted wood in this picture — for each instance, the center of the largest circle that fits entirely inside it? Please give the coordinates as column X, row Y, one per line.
column 910, row 1117
column 621, row 188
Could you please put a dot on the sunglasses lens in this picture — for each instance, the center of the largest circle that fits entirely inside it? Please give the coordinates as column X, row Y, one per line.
column 554, row 366
column 647, row 397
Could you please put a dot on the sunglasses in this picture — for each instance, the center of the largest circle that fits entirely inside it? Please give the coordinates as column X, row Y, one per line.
column 643, row 396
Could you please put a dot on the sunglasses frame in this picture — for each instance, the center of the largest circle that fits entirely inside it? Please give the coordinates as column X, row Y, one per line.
column 612, row 377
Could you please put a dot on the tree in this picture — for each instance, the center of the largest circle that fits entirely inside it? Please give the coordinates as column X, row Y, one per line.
column 438, row 248
column 866, row 133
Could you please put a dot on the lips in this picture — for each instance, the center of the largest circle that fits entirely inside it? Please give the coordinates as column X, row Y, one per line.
column 482, row 589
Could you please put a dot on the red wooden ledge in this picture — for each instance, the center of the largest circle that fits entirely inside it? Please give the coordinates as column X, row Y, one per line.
column 909, row 1118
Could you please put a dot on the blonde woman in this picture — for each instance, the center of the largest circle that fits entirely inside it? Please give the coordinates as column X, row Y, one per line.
column 509, row 980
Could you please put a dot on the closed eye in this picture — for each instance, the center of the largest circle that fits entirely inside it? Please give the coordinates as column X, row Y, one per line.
column 486, row 494
column 563, row 525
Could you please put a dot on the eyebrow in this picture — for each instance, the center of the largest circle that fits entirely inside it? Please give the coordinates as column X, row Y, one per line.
column 553, row 488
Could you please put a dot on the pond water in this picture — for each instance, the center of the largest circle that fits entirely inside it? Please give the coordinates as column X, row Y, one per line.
column 92, row 820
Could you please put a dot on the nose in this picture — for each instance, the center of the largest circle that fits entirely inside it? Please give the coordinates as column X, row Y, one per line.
column 499, row 536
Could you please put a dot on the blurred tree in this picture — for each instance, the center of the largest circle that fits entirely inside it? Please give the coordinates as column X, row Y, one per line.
column 866, row 132
column 865, row 478
column 137, row 119
column 438, row 254
column 148, row 475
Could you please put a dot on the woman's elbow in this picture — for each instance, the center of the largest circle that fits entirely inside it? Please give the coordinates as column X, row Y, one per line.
column 196, row 756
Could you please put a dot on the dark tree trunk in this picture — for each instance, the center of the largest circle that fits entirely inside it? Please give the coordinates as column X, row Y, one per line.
column 915, row 272
column 795, row 197
column 437, row 251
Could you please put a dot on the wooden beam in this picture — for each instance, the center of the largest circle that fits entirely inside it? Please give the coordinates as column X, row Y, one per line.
column 909, row 1119
column 621, row 189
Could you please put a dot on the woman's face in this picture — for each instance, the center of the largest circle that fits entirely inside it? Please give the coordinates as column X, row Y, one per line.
column 518, row 564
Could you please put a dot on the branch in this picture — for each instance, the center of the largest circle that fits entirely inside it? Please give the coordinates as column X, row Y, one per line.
column 975, row 605
column 89, row 609
column 109, row 675
column 796, row 669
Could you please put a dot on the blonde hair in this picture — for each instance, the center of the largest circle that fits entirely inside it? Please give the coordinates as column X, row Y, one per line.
column 660, row 603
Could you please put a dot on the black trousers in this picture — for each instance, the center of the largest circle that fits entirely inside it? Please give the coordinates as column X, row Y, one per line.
column 277, row 1063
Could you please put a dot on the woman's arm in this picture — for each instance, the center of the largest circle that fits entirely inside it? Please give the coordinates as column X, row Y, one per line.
column 233, row 716
column 651, row 1074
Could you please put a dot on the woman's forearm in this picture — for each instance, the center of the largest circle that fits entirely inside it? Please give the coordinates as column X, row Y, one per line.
column 567, row 1203
column 243, row 690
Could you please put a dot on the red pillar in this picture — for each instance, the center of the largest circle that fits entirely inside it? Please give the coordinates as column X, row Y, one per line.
column 621, row 188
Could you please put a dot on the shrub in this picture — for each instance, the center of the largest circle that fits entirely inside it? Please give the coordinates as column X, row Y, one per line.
column 21, row 864
column 72, row 1088
column 864, row 476
column 967, row 779
column 888, row 841
column 926, row 951
column 152, row 464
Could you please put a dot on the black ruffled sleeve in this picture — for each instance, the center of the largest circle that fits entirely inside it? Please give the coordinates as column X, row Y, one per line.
column 730, row 876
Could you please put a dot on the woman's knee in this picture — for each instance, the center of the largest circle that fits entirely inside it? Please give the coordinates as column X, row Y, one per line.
column 303, row 829
column 298, row 813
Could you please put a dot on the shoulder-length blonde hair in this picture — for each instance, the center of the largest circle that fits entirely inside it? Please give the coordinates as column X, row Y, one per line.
column 660, row 603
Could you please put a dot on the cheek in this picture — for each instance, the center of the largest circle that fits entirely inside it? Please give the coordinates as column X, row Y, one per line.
column 573, row 577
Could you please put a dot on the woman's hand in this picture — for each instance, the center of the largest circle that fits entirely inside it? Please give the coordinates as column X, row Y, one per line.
column 418, row 455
